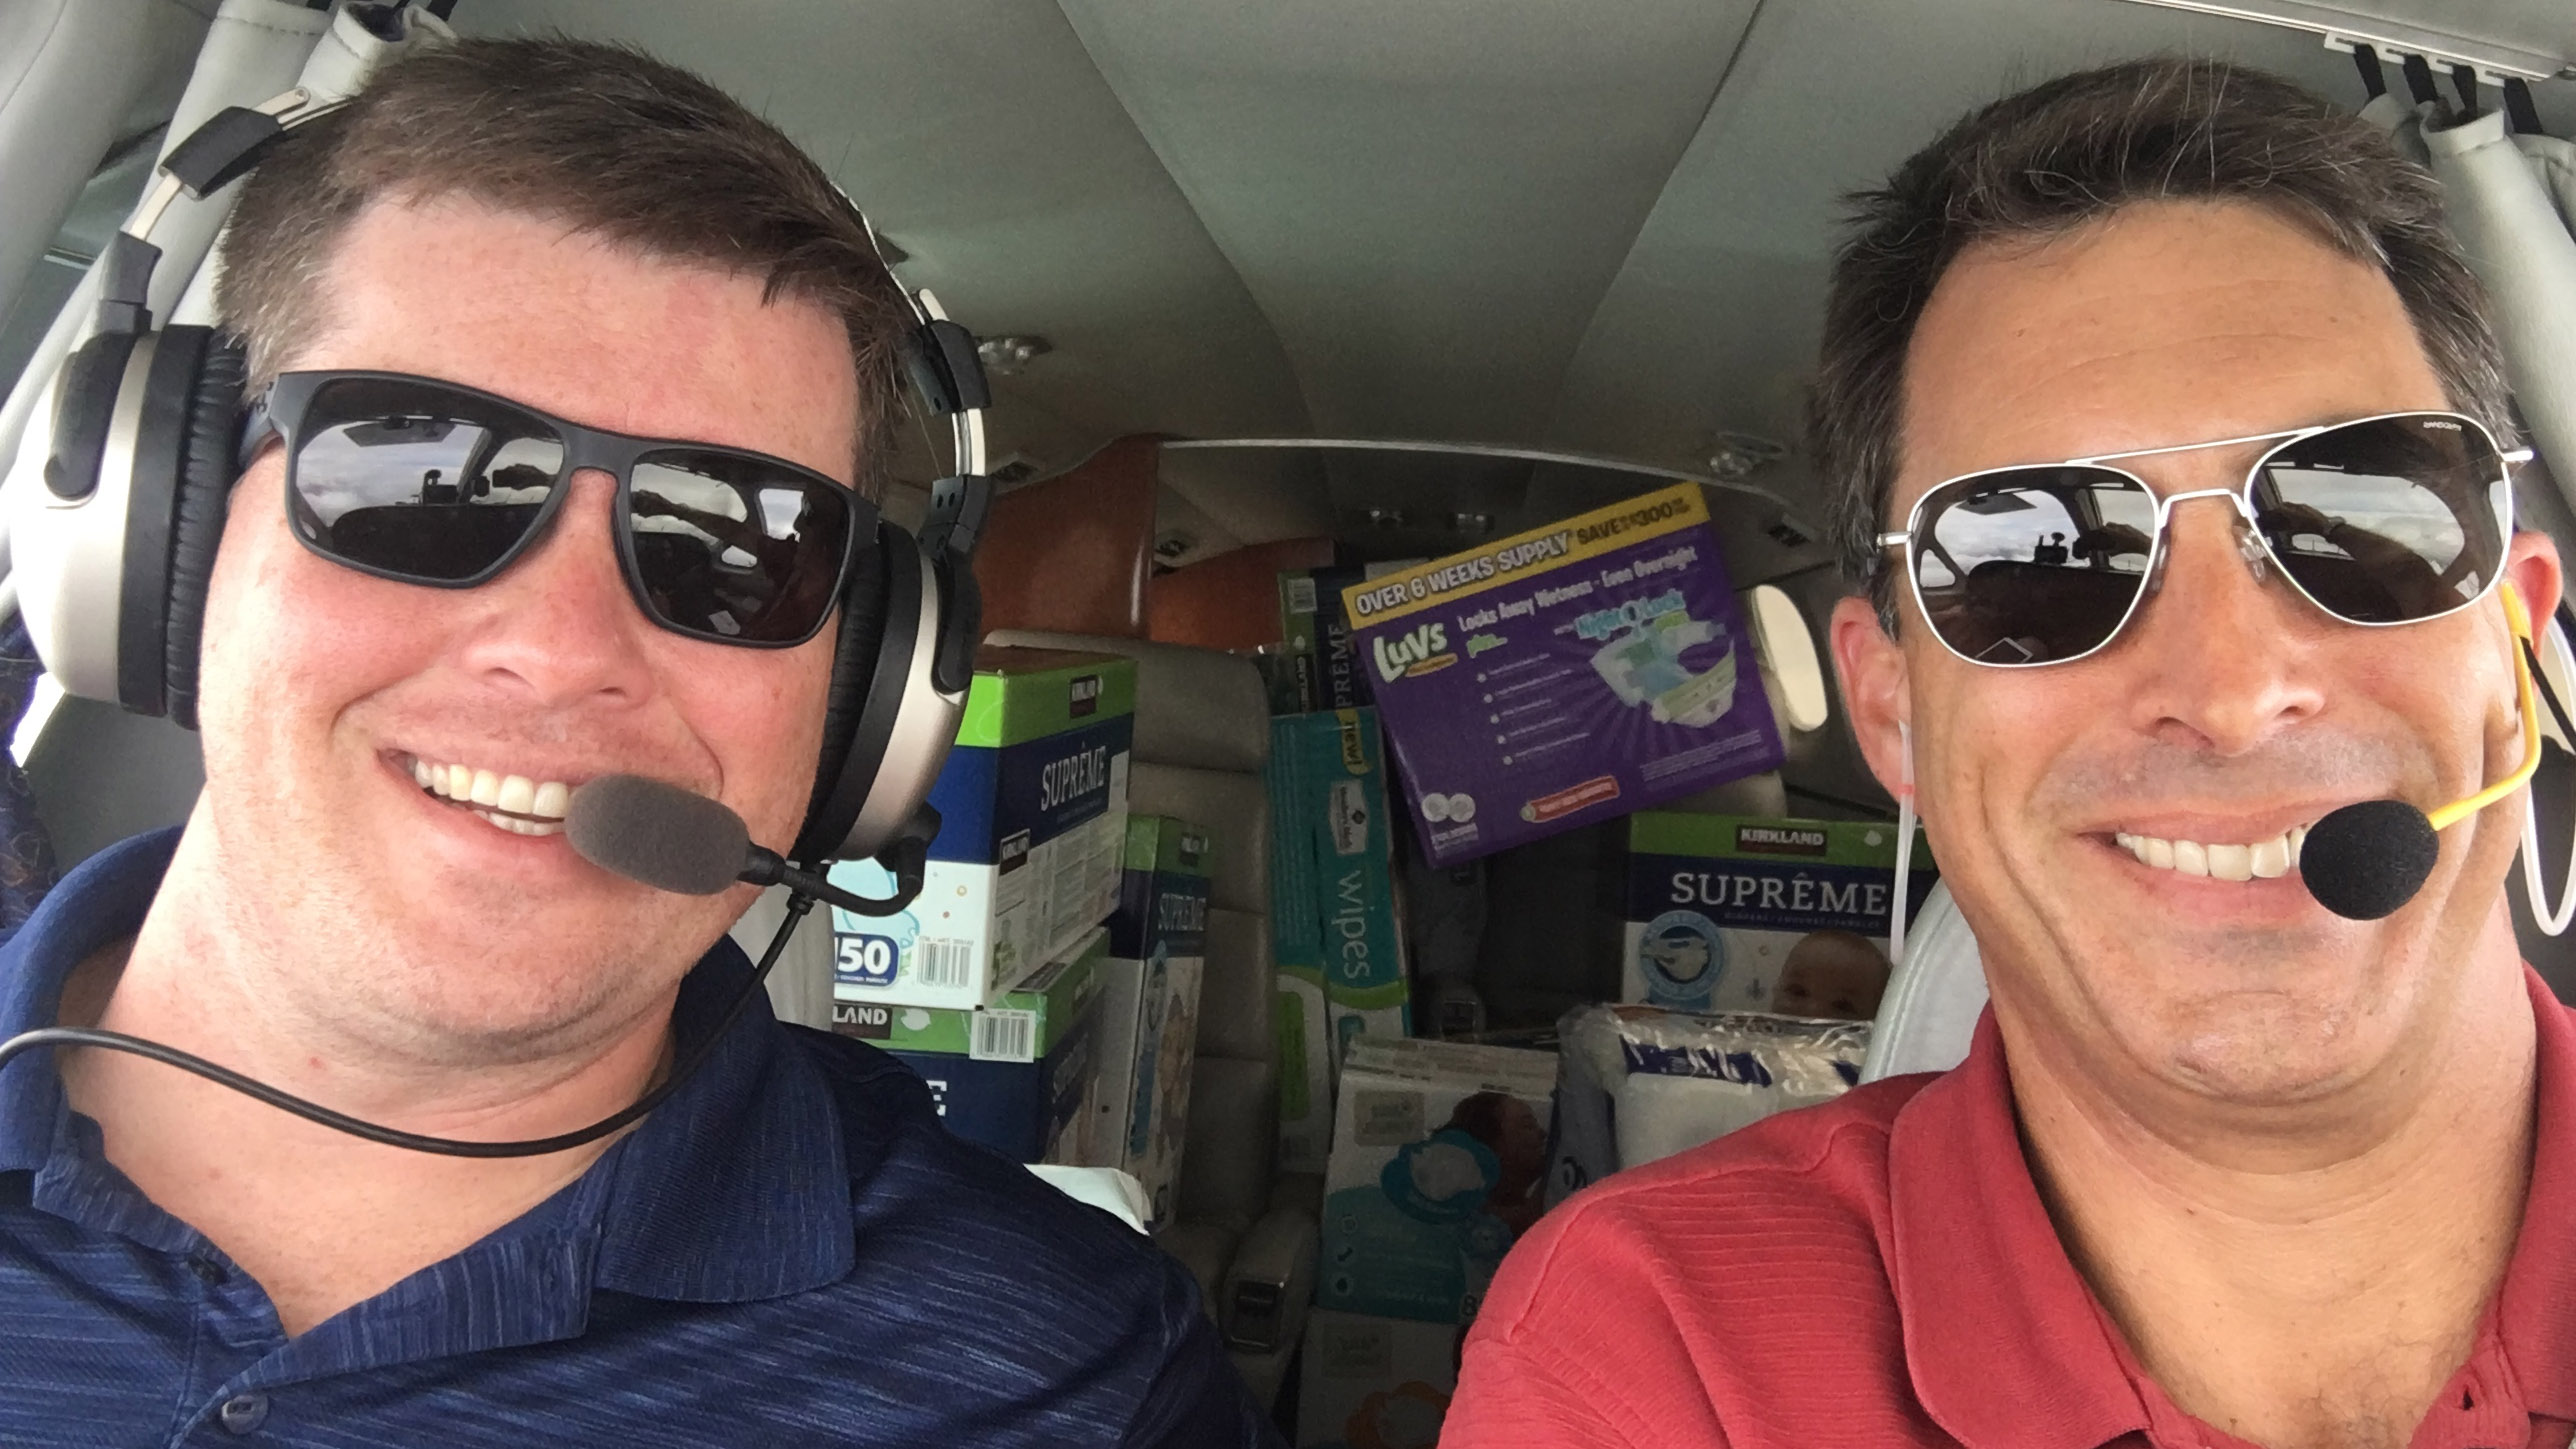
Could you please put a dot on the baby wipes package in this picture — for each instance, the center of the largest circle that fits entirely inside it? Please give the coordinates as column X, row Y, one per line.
column 1016, row 1076
column 1375, row 1383
column 1149, row 1006
column 1740, row 913
column 1032, row 804
column 1560, row 676
column 1639, row 1083
column 1439, row 1149
column 1335, row 936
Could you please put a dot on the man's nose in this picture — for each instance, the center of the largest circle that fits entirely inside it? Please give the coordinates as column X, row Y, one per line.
column 558, row 626
column 2221, row 641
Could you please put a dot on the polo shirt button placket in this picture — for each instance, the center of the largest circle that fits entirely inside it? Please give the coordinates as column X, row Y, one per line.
column 243, row 1413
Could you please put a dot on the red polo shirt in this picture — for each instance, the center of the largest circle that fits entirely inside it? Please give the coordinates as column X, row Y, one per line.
column 1879, row 1271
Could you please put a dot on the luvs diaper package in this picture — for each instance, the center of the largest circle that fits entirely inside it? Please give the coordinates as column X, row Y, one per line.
column 1439, row 1149
column 1563, row 675
column 1745, row 913
column 1638, row 1083
column 1032, row 804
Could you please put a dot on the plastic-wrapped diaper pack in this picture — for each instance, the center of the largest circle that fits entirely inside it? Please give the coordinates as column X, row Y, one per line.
column 1639, row 1083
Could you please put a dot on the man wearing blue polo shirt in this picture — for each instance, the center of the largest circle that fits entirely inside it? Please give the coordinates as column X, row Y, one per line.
column 372, row 906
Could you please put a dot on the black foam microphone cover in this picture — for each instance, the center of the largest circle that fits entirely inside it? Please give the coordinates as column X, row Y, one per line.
column 669, row 838
column 2364, row 861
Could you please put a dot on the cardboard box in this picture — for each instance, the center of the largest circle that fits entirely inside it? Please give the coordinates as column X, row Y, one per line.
column 1032, row 803
column 1149, row 1007
column 1439, row 1162
column 1557, row 677
column 1741, row 913
column 1323, row 670
column 1374, row 1383
column 1336, row 944
column 1016, row 1076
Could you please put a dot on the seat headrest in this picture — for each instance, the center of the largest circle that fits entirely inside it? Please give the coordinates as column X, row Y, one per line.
column 1934, row 999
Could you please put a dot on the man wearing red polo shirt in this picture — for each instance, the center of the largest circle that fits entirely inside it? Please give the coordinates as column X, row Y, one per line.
column 2222, row 1167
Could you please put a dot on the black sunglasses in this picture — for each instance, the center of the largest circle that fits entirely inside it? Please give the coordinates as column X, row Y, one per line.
column 429, row 482
column 2382, row 520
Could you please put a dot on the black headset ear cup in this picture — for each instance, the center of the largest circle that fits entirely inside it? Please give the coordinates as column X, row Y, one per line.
column 208, row 456
column 854, row 672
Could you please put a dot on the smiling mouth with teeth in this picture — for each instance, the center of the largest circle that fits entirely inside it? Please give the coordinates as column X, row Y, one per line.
column 2261, row 860
column 513, row 803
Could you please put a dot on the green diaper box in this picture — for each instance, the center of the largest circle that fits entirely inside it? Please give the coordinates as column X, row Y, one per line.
column 1033, row 805
column 1015, row 1076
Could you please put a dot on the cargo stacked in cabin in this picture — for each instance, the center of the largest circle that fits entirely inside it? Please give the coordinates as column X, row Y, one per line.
column 987, row 986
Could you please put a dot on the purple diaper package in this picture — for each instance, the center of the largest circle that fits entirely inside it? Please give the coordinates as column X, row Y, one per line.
column 1565, row 675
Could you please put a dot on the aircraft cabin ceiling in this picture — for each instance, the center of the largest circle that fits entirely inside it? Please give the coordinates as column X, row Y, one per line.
column 1552, row 224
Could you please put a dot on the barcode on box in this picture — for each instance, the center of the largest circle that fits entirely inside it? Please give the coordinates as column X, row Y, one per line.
column 1004, row 1035
column 1301, row 596
column 945, row 963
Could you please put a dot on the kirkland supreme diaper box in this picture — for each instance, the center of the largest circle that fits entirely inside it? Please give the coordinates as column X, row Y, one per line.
column 1375, row 1383
column 1742, row 913
column 1149, row 1006
column 1636, row 1084
column 1016, row 1076
column 1439, row 1162
column 1334, row 932
column 1032, row 804
column 1322, row 670
column 1579, row 671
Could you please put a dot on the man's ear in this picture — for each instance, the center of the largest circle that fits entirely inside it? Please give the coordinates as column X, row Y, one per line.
column 1871, row 669
column 2532, row 566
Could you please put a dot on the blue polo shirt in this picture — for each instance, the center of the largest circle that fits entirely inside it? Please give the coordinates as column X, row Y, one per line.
column 789, row 1251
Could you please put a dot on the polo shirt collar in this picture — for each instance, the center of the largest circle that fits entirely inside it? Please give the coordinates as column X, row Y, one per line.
column 2006, row 1343
column 735, row 1189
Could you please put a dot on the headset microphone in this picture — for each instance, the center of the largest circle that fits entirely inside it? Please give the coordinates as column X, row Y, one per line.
column 680, row 841
column 2366, row 860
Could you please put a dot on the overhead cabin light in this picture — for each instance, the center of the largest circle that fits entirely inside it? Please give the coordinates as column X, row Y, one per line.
column 1008, row 356
column 1737, row 456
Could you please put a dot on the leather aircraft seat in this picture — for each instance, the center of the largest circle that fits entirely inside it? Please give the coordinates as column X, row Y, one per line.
column 1932, row 1002
column 1247, row 1232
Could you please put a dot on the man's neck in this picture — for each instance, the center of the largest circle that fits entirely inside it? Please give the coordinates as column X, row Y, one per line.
column 320, row 1219
column 2316, row 1294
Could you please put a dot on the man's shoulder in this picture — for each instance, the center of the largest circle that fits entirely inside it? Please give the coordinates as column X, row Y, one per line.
column 981, row 1304
column 1823, row 1164
column 1794, row 1206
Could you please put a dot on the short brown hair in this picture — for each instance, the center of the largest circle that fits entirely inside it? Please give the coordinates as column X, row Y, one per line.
column 600, row 137
column 2075, row 149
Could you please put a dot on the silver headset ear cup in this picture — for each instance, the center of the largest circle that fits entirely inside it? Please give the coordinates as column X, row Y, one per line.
column 67, row 554
column 901, row 728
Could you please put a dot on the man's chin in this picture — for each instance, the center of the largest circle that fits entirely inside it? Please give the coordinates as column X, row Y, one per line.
column 2279, row 1044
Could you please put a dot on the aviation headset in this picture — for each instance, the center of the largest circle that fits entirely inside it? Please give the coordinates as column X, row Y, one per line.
column 114, row 530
